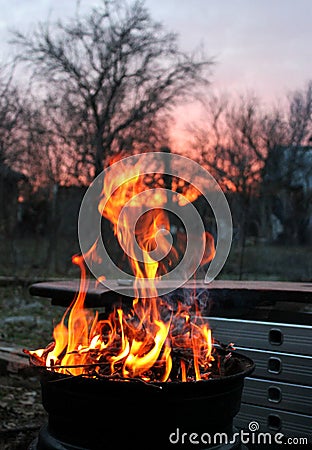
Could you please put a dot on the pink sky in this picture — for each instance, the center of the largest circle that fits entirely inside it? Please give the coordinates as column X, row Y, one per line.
column 259, row 46
column 262, row 46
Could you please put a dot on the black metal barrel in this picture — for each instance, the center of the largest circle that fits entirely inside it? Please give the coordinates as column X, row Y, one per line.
column 91, row 414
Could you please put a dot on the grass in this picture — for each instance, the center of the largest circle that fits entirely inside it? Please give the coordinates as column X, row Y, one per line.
column 29, row 258
column 271, row 262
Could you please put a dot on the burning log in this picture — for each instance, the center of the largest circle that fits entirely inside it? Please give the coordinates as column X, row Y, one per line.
column 224, row 364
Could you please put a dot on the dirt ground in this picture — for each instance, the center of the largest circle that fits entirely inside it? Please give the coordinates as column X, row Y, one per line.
column 21, row 411
column 25, row 322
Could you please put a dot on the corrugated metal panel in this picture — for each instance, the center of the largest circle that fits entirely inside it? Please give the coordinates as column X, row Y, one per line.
column 280, row 366
column 277, row 395
column 263, row 335
column 277, row 421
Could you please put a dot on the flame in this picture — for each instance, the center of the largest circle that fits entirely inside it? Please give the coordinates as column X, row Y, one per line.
column 208, row 244
column 210, row 250
column 142, row 342
column 188, row 191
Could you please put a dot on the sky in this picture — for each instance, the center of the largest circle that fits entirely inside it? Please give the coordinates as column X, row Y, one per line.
column 263, row 46
column 260, row 45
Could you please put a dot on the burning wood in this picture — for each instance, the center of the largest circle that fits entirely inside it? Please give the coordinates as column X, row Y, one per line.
column 110, row 362
column 153, row 341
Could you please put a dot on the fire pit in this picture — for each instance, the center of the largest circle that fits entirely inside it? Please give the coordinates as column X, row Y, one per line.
column 147, row 373
column 250, row 314
column 93, row 414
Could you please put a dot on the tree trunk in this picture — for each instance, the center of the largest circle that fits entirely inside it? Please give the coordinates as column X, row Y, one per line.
column 245, row 225
column 99, row 153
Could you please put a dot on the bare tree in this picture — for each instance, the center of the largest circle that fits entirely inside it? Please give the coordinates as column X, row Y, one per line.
column 11, row 135
column 261, row 156
column 288, row 131
column 11, row 109
column 287, row 172
column 230, row 144
column 229, row 141
column 300, row 116
column 113, row 73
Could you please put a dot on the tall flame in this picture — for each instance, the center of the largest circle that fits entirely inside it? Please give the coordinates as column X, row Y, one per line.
column 140, row 342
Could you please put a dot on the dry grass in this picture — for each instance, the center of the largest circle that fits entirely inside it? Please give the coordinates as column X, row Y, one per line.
column 271, row 262
column 30, row 258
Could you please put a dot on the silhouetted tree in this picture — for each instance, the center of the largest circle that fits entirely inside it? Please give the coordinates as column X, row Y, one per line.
column 287, row 172
column 113, row 74
column 252, row 151
column 11, row 123
column 229, row 144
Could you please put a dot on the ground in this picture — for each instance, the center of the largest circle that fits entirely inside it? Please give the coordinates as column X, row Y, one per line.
column 21, row 411
column 25, row 322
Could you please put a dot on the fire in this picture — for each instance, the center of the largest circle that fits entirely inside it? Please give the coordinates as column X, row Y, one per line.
column 155, row 339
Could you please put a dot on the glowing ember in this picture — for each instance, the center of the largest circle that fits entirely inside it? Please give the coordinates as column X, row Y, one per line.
column 152, row 340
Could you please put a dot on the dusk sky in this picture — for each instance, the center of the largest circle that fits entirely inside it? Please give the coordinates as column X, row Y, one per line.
column 260, row 45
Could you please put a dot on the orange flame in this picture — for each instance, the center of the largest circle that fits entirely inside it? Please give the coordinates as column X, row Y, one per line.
column 141, row 342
